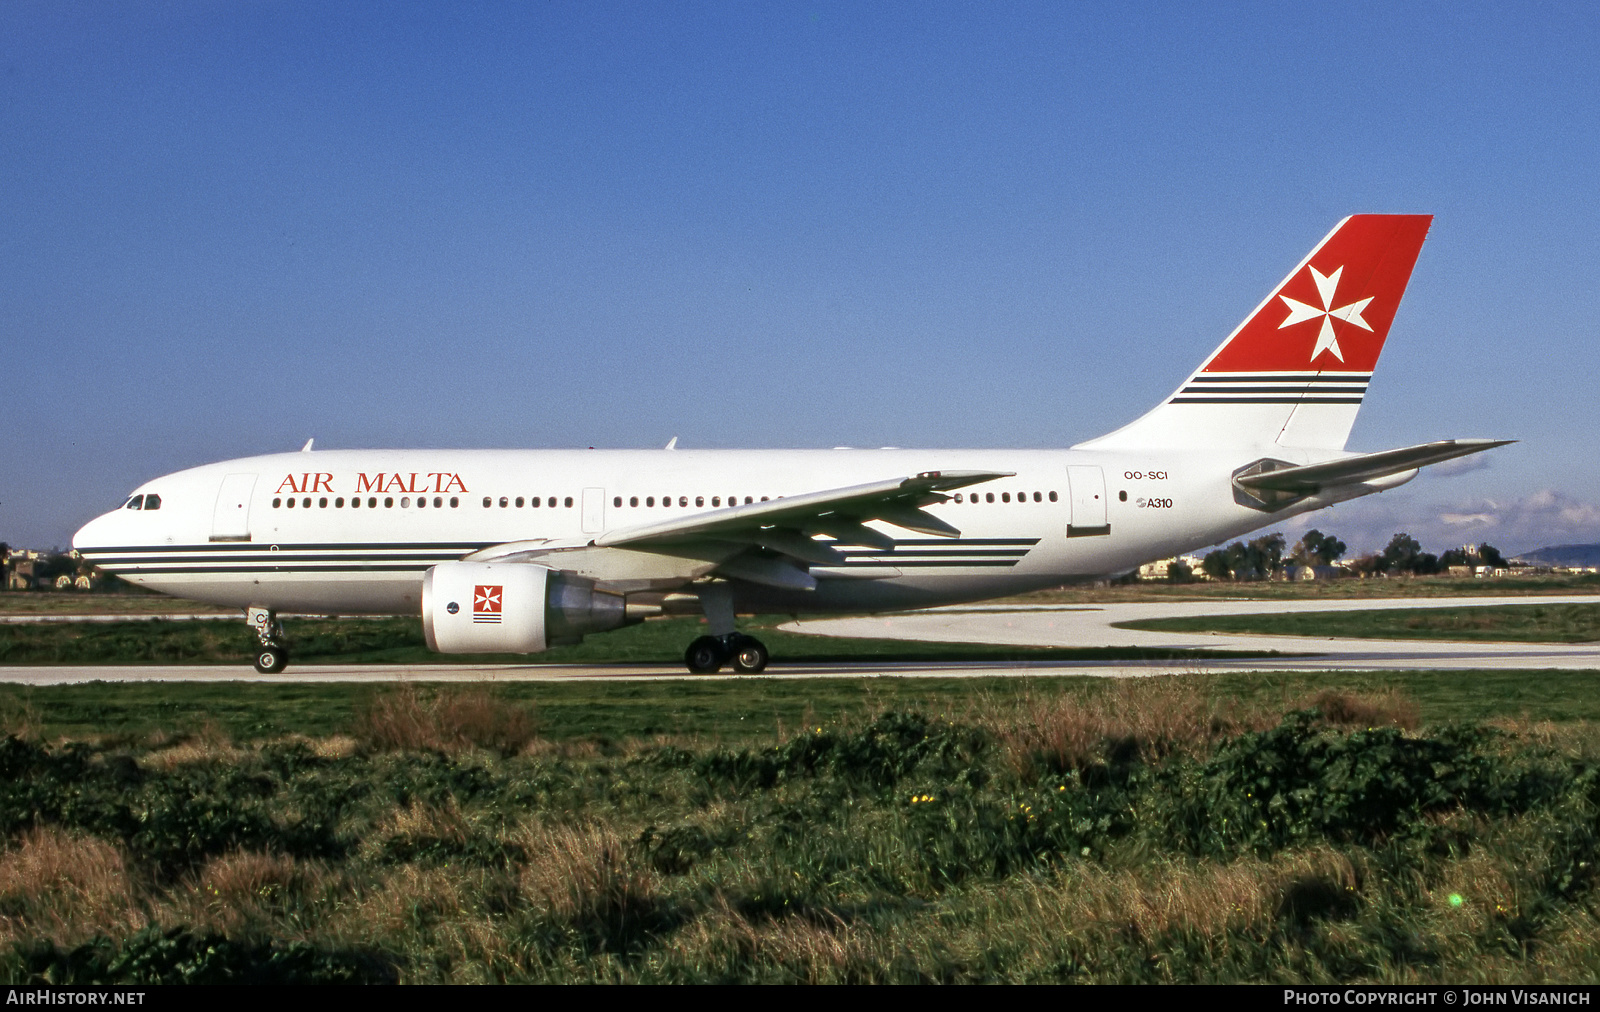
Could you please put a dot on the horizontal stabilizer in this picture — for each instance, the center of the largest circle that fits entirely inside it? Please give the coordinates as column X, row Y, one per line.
column 1308, row 478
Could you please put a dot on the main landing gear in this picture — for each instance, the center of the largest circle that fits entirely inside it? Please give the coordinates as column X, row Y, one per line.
column 271, row 656
column 726, row 644
column 747, row 654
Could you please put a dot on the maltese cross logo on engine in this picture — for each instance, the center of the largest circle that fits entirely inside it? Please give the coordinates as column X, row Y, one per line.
column 1299, row 312
column 486, row 603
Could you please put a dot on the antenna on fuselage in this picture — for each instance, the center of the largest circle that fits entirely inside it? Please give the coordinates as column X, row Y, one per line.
column 307, row 448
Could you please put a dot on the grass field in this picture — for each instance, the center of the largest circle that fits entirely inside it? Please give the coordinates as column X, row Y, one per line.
column 1394, row 827
column 1528, row 623
column 1262, row 828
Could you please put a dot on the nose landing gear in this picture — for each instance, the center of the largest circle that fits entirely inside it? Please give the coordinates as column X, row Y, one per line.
column 271, row 657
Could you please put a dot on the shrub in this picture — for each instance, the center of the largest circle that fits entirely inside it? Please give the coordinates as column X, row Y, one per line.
column 453, row 721
column 182, row 956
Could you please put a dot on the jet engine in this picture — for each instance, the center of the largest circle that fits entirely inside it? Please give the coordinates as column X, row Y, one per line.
column 511, row 607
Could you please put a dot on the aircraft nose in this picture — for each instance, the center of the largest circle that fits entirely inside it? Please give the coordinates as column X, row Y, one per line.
column 92, row 534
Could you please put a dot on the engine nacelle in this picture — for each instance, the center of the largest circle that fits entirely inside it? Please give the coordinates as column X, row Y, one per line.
column 512, row 608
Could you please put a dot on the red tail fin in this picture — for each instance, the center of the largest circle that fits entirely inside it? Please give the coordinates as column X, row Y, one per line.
column 1333, row 312
column 1295, row 371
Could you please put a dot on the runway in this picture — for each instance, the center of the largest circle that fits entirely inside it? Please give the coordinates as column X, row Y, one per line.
column 1009, row 625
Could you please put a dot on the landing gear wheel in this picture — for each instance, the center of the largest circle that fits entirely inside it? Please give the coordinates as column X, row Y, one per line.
column 749, row 655
column 705, row 655
column 271, row 660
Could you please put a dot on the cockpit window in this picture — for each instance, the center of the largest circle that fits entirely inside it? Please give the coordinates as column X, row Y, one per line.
column 137, row 502
column 152, row 502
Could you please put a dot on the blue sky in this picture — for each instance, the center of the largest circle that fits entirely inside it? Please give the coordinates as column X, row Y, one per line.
column 226, row 228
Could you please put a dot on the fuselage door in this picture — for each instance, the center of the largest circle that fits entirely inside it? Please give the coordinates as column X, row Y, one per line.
column 1088, row 492
column 231, row 520
column 594, row 510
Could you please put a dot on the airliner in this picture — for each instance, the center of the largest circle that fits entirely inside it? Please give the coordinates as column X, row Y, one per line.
column 514, row 551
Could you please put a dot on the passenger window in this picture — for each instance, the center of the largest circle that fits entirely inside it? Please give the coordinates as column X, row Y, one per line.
column 683, row 500
column 958, row 497
column 438, row 501
column 617, row 501
column 372, row 503
column 534, row 502
column 289, row 504
column 1005, row 496
column 649, row 500
column 152, row 502
column 519, row 502
column 1052, row 497
column 1037, row 497
column 388, row 502
column 763, row 498
column 988, row 497
column 716, row 500
column 322, row 503
column 454, row 502
column 747, row 500
column 338, row 503
column 699, row 500
column 276, row 503
column 568, row 502
column 355, row 503
column 487, row 502
column 633, row 500
column 405, row 502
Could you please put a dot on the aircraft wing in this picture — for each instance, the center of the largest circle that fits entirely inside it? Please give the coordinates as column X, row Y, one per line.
column 760, row 542
column 837, row 512
column 1365, row 466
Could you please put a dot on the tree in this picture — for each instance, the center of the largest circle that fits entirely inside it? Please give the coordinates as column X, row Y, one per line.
column 1405, row 555
column 1266, row 555
column 1178, row 571
column 1489, row 555
column 1215, row 565
column 1318, row 549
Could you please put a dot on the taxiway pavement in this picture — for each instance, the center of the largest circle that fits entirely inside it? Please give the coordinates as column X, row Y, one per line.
column 1011, row 625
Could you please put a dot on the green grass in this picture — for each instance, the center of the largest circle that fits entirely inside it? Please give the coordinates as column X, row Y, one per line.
column 1527, row 623
column 399, row 641
column 1061, row 830
column 735, row 710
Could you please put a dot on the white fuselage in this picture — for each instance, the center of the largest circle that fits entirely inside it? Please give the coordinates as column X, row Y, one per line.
column 226, row 534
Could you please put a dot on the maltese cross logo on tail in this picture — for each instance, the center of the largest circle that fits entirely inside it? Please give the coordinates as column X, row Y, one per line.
column 1334, row 310
column 486, row 603
column 1299, row 312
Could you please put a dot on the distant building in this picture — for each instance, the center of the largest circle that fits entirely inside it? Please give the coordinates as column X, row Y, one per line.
column 1300, row 574
column 19, row 571
column 1162, row 569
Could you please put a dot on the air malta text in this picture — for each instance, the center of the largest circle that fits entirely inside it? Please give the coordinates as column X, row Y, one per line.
column 383, row 481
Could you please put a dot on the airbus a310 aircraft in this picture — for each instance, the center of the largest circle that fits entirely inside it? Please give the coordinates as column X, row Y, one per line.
column 513, row 551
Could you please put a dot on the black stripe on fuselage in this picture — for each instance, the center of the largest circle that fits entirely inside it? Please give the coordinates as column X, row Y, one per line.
column 1282, row 377
column 1265, row 400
